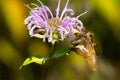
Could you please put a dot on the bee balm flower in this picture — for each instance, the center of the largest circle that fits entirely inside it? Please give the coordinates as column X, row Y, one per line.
column 42, row 24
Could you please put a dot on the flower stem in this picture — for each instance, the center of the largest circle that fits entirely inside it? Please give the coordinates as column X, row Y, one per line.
column 46, row 72
column 48, row 64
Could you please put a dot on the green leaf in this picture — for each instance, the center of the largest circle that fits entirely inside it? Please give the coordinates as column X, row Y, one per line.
column 33, row 59
column 61, row 52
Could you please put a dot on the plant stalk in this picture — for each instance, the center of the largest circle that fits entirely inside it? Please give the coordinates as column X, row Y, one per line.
column 48, row 64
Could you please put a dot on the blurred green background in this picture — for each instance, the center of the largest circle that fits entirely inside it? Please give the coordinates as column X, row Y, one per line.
column 103, row 19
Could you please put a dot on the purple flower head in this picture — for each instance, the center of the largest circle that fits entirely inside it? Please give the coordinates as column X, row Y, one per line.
column 42, row 24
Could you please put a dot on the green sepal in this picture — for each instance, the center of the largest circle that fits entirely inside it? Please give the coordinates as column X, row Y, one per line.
column 61, row 52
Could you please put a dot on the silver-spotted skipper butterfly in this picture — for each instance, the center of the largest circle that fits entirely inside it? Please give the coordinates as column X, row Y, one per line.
column 85, row 47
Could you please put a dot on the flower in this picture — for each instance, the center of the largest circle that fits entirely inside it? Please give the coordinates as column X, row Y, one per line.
column 42, row 24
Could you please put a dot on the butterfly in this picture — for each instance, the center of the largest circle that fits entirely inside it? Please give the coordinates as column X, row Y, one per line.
column 84, row 46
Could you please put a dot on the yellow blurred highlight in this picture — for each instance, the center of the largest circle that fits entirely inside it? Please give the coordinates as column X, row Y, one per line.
column 110, row 11
column 14, row 14
column 11, row 58
column 75, row 68
column 38, row 48
column 8, row 55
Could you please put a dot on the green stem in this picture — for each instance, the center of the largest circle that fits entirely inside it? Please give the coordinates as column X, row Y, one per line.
column 52, row 47
column 46, row 72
